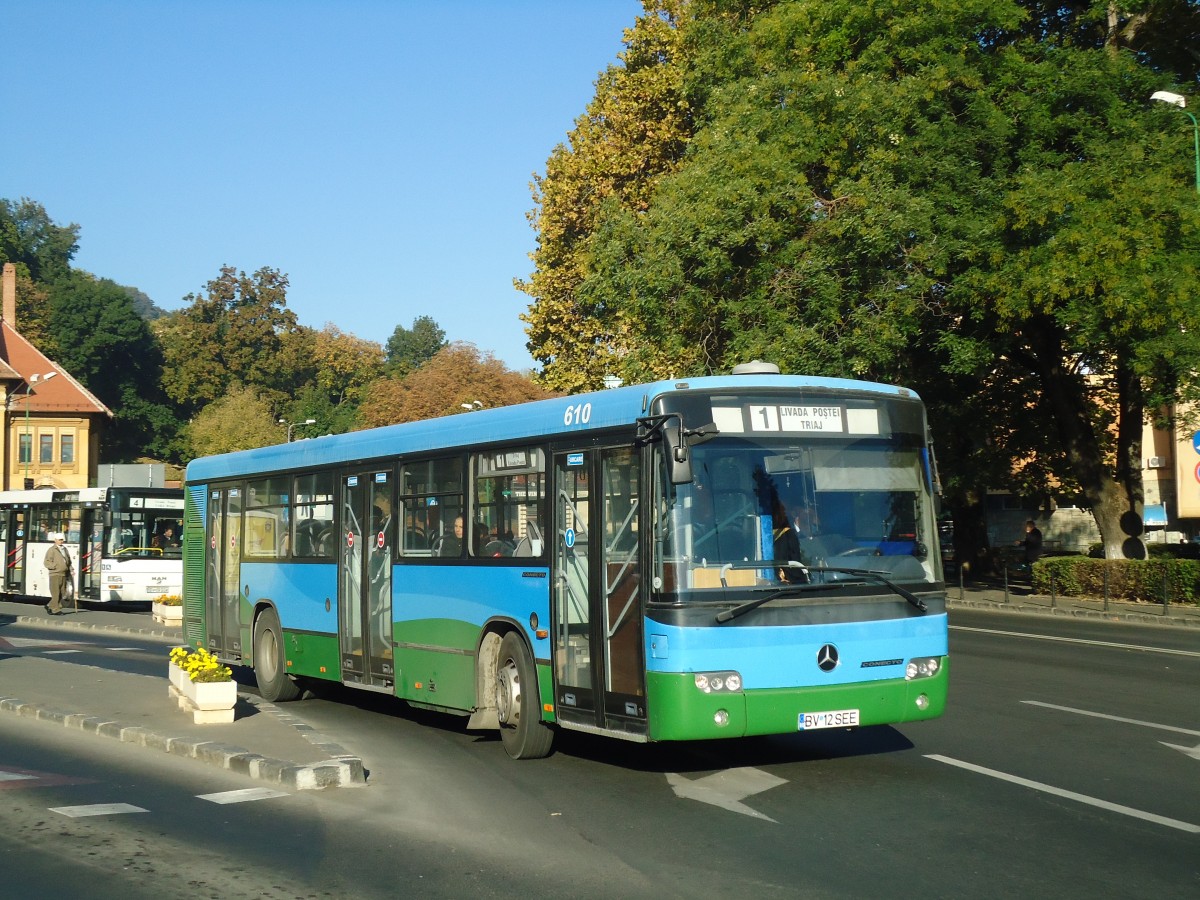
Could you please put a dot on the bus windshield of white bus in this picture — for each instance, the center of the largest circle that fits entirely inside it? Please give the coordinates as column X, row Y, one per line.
column 145, row 526
column 835, row 490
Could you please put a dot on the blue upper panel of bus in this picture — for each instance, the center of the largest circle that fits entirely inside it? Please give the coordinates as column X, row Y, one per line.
column 577, row 414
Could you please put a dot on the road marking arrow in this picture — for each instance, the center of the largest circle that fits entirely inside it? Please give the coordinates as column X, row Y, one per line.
column 726, row 789
column 1193, row 752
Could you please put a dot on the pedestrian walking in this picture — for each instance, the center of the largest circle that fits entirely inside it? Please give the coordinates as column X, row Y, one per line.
column 58, row 565
column 1032, row 543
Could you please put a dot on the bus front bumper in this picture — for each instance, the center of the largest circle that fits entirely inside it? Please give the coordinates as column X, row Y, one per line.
column 680, row 711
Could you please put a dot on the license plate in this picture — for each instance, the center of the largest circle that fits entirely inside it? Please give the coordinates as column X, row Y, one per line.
column 156, row 590
column 834, row 718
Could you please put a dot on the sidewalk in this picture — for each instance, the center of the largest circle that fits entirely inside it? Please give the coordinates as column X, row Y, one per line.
column 1018, row 598
column 264, row 741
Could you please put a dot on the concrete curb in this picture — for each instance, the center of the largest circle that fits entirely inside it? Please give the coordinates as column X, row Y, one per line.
column 340, row 770
column 70, row 622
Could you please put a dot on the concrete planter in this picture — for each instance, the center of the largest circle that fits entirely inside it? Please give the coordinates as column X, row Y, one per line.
column 210, row 702
column 167, row 615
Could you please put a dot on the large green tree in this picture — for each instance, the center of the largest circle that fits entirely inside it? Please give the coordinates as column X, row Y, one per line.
column 109, row 348
column 969, row 197
column 239, row 333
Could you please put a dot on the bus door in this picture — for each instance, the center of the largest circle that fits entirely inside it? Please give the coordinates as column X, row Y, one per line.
column 598, row 658
column 17, row 521
column 222, row 576
column 365, row 580
column 91, row 540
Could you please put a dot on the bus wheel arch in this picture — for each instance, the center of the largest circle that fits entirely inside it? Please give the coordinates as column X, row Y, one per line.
column 270, row 659
column 518, row 708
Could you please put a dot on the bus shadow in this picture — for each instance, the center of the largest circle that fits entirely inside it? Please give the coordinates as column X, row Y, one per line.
column 758, row 751
column 678, row 757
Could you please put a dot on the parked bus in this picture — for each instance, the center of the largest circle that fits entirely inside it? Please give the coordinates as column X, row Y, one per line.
column 124, row 542
column 624, row 563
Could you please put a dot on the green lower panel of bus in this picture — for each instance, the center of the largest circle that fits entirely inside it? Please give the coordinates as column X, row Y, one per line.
column 435, row 662
column 679, row 711
column 313, row 655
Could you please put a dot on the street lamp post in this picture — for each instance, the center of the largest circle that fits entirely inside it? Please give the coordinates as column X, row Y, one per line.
column 1181, row 101
column 33, row 379
column 292, row 425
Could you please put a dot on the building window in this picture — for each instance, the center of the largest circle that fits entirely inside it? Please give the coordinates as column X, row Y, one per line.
column 25, row 454
column 66, row 449
column 45, row 448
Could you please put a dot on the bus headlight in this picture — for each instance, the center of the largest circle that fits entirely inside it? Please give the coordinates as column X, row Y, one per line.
column 922, row 667
column 719, row 682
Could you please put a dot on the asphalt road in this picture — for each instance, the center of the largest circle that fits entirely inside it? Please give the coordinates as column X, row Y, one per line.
column 1067, row 765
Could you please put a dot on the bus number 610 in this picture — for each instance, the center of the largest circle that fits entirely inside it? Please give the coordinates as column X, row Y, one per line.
column 577, row 414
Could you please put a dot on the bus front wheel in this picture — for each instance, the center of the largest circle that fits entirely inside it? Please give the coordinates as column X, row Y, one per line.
column 270, row 666
column 524, row 734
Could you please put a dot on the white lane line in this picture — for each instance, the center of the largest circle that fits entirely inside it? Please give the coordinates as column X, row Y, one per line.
column 1097, row 715
column 59, row 652
column 96, row 809
column 1069, row 795
column 1069, row 640
column 30, row 642
column 242, row 796
column 15, row 776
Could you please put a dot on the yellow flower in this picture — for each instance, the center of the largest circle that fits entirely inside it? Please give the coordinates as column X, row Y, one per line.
column 200, row 665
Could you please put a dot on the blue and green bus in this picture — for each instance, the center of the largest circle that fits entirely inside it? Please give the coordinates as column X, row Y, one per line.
column 714, row 557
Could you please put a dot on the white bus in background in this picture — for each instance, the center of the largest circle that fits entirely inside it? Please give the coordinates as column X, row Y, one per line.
column 125, row 542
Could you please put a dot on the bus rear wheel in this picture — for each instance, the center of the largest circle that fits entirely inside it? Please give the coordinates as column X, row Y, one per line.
column 524, row 734
column 270, row 666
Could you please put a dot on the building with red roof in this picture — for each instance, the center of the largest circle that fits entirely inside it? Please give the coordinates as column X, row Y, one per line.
column 51, row 423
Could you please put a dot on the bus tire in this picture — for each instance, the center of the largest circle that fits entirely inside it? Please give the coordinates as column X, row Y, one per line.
column 524, row 734
column 270, row 666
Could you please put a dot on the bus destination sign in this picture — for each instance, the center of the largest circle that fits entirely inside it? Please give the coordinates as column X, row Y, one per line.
column 797, row 418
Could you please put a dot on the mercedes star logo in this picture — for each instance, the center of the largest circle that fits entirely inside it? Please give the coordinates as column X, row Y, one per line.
column 827, row 658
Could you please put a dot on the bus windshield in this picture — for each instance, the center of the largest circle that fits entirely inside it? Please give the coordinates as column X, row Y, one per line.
column 765, row 511
column 145, row 525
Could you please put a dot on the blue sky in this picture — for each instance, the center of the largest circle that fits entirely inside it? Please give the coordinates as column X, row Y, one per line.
column 379, row 153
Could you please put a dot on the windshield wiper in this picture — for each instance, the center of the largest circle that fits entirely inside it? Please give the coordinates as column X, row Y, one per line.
column 790, row 591
column 867, row 573
column 731, row 614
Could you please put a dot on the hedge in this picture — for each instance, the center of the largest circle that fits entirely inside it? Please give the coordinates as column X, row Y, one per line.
column 1128, row 579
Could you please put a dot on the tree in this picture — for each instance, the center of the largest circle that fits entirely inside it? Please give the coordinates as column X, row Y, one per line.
column 634, row 132
column 33, row 314
column 32, row 242
column 409, row 349
column 108, row 347
column 345, row 363
column 237, row 334
column 458, row 375
column 311, row 402
column 923, row 193
column 241, row 420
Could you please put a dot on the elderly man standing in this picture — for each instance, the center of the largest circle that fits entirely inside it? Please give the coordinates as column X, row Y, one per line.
column 58, row 564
